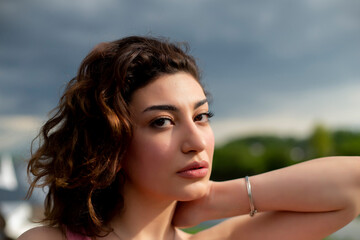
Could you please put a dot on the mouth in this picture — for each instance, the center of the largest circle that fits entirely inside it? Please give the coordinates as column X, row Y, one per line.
column 194, row 170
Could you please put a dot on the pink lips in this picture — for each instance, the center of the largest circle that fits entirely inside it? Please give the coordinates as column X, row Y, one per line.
column 194, row 170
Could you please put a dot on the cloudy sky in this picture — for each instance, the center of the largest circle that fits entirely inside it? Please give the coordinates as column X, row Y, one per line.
column 272, row 66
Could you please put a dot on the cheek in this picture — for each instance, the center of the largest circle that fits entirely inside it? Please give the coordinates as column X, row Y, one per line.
column 153, row 147
column 147, row 155
column 210, row 143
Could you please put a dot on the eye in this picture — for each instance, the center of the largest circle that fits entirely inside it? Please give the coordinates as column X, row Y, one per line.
column 161, row 122
column 203, row 117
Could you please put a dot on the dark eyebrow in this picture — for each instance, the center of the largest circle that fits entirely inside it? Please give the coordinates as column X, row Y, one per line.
column 172, row 107
column 161, row 107
column 200, row 103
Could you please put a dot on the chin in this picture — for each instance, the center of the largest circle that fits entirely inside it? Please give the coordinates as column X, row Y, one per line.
column 194, row 191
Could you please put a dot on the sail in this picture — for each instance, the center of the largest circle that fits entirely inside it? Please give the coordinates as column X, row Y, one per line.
column 8, row 179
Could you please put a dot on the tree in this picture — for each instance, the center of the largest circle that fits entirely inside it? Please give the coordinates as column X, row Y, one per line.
column 321, row 142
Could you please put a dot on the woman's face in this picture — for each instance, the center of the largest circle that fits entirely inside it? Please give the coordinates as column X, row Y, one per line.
column 171, row 151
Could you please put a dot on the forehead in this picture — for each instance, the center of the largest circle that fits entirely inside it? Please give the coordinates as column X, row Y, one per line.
column 177, row 89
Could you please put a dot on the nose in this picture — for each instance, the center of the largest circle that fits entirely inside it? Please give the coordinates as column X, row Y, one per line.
column 193, row 138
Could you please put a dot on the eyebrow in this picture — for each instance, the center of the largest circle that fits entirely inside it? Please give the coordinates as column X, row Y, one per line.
column 172, row 108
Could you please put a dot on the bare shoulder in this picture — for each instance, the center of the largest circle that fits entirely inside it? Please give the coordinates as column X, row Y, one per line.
column 43, row 233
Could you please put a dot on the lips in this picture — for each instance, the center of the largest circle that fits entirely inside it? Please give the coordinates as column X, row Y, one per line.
column 194, row 170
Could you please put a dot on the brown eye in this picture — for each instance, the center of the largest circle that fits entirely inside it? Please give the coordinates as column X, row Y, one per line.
column 161, row 122
column 203, row 117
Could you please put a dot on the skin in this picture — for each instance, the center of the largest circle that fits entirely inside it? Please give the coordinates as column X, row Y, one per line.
column 305, row 201
column 171, row 131
column 309, row 201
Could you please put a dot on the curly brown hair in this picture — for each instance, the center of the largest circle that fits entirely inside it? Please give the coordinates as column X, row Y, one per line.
column 82, row 145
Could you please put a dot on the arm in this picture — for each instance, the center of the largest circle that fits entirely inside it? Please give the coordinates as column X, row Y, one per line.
column 311, row 199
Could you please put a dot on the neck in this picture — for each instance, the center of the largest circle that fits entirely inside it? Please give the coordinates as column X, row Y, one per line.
column 144, row 217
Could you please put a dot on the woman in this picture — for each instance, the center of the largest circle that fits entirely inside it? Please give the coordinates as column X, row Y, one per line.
column 128, row 155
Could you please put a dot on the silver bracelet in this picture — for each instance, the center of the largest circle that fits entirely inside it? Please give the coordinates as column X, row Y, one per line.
column 251, row 200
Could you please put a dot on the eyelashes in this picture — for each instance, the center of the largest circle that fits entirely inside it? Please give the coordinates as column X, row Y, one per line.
column 165, row 121
column 162, row 122
column 200, row 117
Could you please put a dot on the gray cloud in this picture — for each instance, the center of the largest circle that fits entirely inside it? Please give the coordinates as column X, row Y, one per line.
column 246, row 49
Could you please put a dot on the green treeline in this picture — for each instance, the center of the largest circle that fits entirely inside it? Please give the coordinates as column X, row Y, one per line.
column 257, row 154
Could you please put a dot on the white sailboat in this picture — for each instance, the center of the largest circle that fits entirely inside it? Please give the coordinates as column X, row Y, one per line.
column 8, row 179
column 16, row 211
